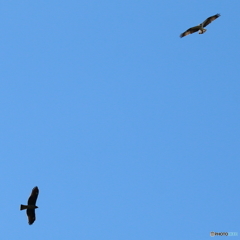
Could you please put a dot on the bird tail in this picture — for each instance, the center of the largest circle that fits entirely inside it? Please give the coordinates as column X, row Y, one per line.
column 22, row 207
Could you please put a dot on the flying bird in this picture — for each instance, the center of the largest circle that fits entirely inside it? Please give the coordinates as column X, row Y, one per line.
column 31, row 206
column 200, row 27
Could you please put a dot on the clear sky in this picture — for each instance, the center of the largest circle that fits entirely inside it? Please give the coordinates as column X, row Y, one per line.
column 130, row 132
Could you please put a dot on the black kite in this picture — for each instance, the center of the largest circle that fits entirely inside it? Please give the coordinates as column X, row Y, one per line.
column 31, row 206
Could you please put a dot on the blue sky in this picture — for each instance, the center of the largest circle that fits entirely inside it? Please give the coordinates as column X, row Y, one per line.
column 129, row 131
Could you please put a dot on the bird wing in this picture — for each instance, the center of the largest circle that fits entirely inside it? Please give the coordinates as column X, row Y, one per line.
column 31, row 216
column 210, row 19
column 33, row 197
column 190, row 31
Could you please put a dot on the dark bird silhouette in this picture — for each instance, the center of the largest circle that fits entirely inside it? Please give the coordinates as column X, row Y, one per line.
column 31, row 206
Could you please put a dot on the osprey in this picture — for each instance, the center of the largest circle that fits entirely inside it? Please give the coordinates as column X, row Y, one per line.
column 200, row 27
column 31, row 205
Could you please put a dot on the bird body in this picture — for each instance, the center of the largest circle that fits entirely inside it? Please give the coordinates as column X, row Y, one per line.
column 22, row 207
column 201, row 29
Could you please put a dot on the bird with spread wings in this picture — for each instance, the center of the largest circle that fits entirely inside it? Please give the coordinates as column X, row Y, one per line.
column 200, row 27
column 31, row 206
